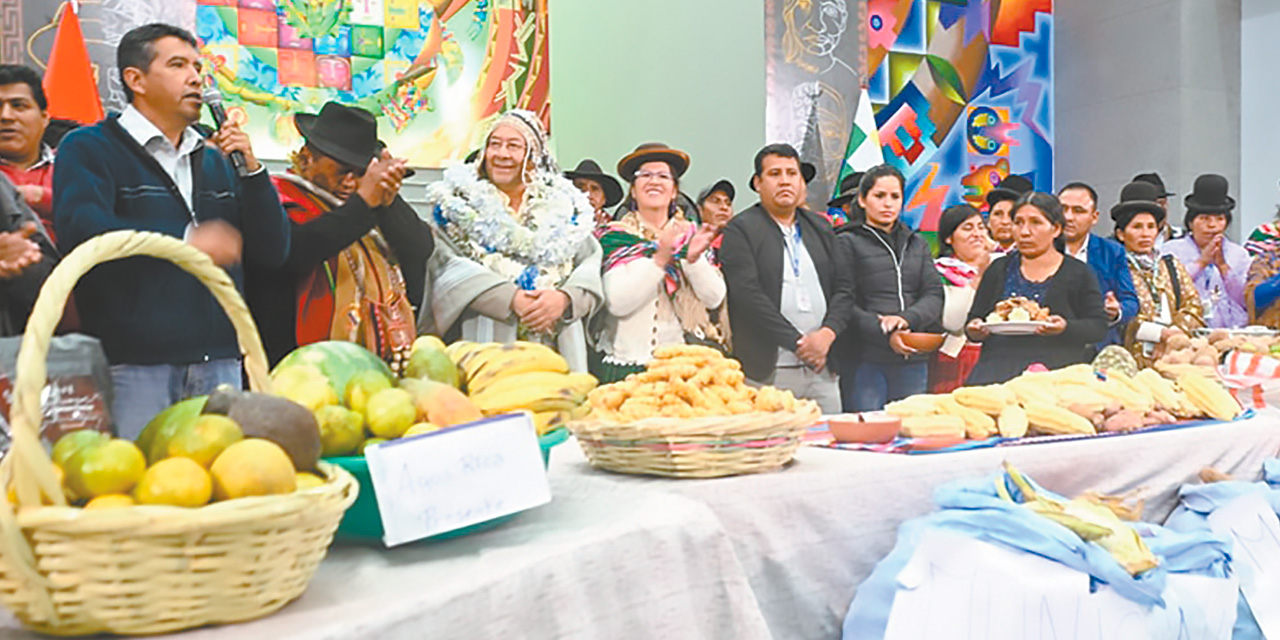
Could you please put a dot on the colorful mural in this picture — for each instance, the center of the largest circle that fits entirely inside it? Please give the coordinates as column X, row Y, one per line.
column 433, row 71
column 963, row 92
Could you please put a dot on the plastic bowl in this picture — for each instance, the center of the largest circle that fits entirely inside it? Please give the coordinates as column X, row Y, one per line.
column 923, row 342
column 363, row 522
column 870, row 428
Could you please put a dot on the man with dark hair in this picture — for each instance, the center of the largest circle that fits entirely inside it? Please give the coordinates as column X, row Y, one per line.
column 148, row 169
column 24, row 158
column 788, row 300
column 1104, row 255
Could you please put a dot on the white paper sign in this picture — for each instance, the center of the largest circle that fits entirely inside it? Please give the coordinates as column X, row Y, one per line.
column 960, row 588
column 457, row 477
column 1255, row 550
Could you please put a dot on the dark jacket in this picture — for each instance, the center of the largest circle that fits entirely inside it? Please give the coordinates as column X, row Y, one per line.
column 147, row 311
column 18, row 294
column 752, row 255
column 1109, row 264
column 1072, row 293
column 894, row 275
column 272, row 294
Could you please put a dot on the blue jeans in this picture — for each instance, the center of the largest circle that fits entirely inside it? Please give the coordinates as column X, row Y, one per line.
column 874, row 384
column 142, row 391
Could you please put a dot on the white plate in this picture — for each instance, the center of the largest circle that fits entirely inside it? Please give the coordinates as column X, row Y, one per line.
column 1015, row 328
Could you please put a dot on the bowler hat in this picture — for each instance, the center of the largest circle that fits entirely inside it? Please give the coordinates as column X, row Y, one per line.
column 1010, row 188
column 653, row 152
column 1153, row 178
column 1208, row 197
column 346, row 134
column 1137, row 197
column 589, row 170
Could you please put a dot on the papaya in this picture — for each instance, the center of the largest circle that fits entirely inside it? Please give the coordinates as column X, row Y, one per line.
column 337, row 360
column 439, row 403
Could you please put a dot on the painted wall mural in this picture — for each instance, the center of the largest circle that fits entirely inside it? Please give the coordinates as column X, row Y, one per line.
column 433, row 71
column 963, row 93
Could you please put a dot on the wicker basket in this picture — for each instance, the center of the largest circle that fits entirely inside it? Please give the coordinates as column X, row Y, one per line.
column 148, row 569
column 698, row 448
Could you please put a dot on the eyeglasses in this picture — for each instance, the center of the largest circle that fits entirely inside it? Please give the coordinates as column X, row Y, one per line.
column 651, row 175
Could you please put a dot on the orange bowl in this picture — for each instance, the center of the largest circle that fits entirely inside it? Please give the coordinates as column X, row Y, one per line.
column 923, row 342
column 871, row 427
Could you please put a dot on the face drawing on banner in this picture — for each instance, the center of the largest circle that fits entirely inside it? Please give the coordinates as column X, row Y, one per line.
column 817, row 34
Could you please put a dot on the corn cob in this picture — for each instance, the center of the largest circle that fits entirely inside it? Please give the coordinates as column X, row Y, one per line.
column 977, row 425
column 919, row 405
column 1013, row 421
column 1084, row 398
column 1076, row 373
column 1124, row 395
column 1209, row 397
column 1033, row 388
column 933, row 426
column 1145, row 400
column 1054, row 420
column 1166, row 395
column 991, row 399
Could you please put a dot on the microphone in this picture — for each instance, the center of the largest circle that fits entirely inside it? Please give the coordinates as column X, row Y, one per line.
column 212, row 98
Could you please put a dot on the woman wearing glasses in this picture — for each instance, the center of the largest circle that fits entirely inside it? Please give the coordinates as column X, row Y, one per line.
column 658, row 282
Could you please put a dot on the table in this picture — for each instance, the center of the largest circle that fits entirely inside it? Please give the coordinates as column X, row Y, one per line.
column 621, row 564
column 808, row 535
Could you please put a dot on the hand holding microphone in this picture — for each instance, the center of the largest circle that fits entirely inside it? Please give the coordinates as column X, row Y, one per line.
column 229, row 137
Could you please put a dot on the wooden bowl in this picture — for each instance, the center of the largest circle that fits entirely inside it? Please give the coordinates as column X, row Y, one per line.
column 869, row 428
column 923, row 342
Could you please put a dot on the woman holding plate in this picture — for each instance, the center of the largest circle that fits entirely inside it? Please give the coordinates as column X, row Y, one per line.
column 1040, row 272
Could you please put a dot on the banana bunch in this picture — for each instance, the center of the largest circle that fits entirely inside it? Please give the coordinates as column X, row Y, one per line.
column 522, row 376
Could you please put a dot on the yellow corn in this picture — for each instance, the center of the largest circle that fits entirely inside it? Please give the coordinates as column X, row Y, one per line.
column 933, row 426
column 1054, row 420
column 1209, row 397
column 1013, row 422
column 990, row 399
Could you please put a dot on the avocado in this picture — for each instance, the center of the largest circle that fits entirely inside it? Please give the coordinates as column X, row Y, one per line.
column 220, row 400
column 281, row 421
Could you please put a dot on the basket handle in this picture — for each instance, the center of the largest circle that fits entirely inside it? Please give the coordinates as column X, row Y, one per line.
column 31, row 471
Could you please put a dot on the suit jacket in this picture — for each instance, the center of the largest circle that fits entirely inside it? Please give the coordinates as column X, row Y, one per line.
column 752, row 255
column 1107, row 259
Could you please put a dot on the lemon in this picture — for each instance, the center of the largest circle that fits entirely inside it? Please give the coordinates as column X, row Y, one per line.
column 112, row 467
column 364, row 385
column 390, row 413
column 75, row 441
column 369, row 443
column 420, row 428
column 308, row 480
column 341, row 431
column 180, row 482
column 253, row 467
column 204, row 439
column 110, row 501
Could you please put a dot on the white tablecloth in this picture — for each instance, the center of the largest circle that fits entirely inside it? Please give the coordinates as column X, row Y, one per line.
column 808, row 535
column 591, row 565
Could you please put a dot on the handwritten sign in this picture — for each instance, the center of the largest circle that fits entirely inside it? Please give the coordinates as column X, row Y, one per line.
column 457, row 477
column 958, row 587
column 1255, row 536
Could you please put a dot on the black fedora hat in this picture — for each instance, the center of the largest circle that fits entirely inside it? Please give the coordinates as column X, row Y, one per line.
column 653, row 152
column 589, row 170
column 1154, row 179
column 1137, row 197
column 1209, row 195
column 722, row 185
column 807, row 171
column 1010, row 188
column 848, row 189
column 346, row 134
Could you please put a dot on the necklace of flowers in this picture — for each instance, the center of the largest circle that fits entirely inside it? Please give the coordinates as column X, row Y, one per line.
column 554, row 218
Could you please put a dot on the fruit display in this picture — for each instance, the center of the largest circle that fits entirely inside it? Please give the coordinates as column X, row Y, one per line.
column 522, row 376
column 686, row 381
column 1070, row 401
column 1018, row 309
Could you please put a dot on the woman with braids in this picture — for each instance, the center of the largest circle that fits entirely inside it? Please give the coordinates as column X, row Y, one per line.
column 658, row 282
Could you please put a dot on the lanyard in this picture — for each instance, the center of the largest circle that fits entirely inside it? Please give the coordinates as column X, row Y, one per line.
column 793, row 245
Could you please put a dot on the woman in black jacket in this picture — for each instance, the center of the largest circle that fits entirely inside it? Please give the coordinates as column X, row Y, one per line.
column 897, row 289
column 1038, row 271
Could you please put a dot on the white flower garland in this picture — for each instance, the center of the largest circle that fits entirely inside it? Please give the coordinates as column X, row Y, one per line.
column 535, row 249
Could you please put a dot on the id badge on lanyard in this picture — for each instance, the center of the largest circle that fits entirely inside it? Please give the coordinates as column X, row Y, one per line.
column 793, row 245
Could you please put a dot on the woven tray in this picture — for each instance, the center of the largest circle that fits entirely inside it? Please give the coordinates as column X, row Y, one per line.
column 148, row 569
column 697, row 448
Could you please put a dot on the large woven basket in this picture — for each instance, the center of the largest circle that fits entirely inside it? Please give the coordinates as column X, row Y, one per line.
column 148, row 569
column 708, row 447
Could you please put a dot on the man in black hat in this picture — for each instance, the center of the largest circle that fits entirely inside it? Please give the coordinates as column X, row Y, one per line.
column 1000, row 211
column 352, row 233
column 846, row 201
column 1218, row 266
column 148, row 169
column 788, row 299
column 1170, row 231
column 602, row 189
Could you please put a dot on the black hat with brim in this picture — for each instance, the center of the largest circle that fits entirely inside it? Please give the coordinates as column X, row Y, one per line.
column 1208, row 197
column 722, row 185
column 1153, row 178
column 847, row 191
column 653, row 152
column 589, row 170
column 346, row 134
column 1010, row 188
column 1137, row 197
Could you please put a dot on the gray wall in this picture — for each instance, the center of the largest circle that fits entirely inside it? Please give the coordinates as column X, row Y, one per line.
column 1259, row 98
column 1147, row 85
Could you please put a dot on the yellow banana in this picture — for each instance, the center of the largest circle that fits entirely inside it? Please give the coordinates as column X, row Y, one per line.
column 510, row 363
column 535, row 391
column 547, row 421
column 458, row 349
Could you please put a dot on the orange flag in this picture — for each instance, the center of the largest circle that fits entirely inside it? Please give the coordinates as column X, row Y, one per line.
column 68, row 82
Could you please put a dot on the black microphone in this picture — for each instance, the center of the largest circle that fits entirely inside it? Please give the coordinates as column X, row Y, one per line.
column 212, row 98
